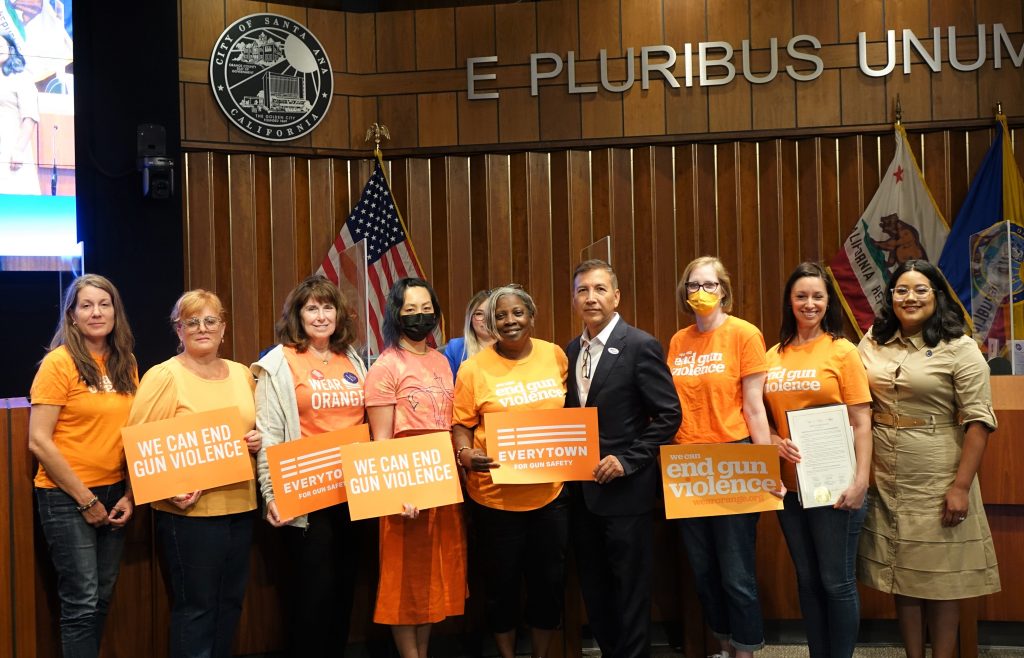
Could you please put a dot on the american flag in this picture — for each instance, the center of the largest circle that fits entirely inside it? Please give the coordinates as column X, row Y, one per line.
column 389, row 253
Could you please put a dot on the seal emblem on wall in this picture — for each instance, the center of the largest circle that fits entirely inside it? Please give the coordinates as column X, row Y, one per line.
column 271, row 77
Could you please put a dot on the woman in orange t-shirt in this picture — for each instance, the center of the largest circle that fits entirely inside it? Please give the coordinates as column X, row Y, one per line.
column 312, row 383
column 81, row 396
column 522, row 528
column 813, row 365
column 204, row 536
column 718, row 368
column 422, row 554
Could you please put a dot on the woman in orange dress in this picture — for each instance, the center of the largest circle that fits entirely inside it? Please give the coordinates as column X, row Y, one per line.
column 422, row 554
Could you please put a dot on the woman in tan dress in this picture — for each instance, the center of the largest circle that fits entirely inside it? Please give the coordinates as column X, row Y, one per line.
column 926, row 538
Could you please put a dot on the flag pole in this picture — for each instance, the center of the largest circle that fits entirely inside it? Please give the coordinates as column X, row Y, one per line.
column 899, row 111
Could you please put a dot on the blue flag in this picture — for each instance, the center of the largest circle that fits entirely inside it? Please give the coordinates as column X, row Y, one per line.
column 992, row 198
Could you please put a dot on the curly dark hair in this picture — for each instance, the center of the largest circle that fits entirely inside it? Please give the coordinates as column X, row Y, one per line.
column 831, row 320
column 948, row 321
column 392, row 328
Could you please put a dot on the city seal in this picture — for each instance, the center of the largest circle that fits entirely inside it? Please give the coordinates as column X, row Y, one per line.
column 271, row 77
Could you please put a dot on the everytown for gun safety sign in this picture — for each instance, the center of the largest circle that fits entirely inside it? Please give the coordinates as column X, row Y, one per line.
column 549, row 445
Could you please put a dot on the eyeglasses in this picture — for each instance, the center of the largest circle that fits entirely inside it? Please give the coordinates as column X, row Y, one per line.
column 919, row 292
column 209, row 323
column 585, row 366
column 708, row 286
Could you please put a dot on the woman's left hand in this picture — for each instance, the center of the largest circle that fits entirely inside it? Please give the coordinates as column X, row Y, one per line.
column 253, row 441
column 781, row 493
column 121, row 512
column 410, row 511
column 954, row 510
column 788, row 451
column 853, row 498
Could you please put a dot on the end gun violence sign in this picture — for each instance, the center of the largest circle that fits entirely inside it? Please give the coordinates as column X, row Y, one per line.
column 307, row 474
column 380, row 476
column 186, row 453
column 719, row 478
column 549, row 445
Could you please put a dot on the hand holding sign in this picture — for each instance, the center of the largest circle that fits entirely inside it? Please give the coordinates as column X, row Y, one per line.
column 542, row 446
column 187, row 454
column 306, row 474
column 719, row 478
column 389, row 477
column 185, row 500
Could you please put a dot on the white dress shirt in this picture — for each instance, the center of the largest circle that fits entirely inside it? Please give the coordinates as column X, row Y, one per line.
column 595, row 347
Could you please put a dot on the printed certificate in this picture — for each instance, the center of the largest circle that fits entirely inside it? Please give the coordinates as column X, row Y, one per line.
column 827, row 461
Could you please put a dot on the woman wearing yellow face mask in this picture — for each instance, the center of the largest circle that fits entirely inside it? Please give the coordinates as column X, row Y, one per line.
column 718, row 367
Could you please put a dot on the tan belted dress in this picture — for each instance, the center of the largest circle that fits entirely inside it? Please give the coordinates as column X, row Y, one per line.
column 904, row 549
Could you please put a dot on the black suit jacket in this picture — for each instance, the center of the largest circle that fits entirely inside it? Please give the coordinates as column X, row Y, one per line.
column 637, row 409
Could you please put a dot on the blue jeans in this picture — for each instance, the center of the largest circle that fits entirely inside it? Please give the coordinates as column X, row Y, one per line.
column 207, row 561
column 823, row 544
column 86, row 560
column 722, row 554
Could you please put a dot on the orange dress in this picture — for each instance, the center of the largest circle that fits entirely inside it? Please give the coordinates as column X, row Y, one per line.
column 422, row 560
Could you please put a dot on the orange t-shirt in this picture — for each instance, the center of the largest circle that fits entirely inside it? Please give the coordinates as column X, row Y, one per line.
column 707, row 370
column 88, row 430
column 478, row 391
column 330, row 396
column 823, row 371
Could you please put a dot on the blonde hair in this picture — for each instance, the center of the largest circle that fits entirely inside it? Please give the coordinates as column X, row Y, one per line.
column 471, row 344
column 191, row 303
column 194, row 301
column 724, row 283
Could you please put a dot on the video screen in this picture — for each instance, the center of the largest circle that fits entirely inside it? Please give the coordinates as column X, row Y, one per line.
column 38, row 229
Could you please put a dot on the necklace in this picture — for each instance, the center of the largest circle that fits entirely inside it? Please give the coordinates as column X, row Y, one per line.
column 408, row 348
column 323, row 356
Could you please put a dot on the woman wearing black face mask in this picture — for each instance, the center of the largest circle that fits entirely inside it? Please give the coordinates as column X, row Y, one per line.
column 422, row 555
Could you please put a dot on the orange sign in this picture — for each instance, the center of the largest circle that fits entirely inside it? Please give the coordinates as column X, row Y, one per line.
column 186, row 453
column 719, row 478
column 306, row 474
column 381, row 476
column 549, row 445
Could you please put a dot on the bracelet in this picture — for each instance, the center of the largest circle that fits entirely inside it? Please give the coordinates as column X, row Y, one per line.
column 458, row 454
column 82, row 508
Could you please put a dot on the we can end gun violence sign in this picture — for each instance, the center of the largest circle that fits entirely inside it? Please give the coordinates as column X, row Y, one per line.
column 382, row 476
column 550, row 445
column 186, row 453
column 717, row 479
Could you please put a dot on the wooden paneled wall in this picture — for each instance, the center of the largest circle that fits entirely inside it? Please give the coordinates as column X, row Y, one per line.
column 406, row 69
column 255, row 225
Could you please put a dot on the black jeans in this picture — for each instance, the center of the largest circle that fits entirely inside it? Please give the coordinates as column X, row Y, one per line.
column 321, row 567
column 524, row 544
column 207, row 560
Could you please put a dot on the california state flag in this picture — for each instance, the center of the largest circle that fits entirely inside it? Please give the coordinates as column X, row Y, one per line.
column 901, row 223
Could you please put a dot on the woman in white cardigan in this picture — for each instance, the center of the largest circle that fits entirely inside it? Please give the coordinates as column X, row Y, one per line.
column 311, row 383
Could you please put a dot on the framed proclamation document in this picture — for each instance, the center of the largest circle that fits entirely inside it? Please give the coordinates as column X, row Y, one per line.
column 827, row 461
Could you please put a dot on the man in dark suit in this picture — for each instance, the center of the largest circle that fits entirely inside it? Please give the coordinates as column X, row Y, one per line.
column 621, row 371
